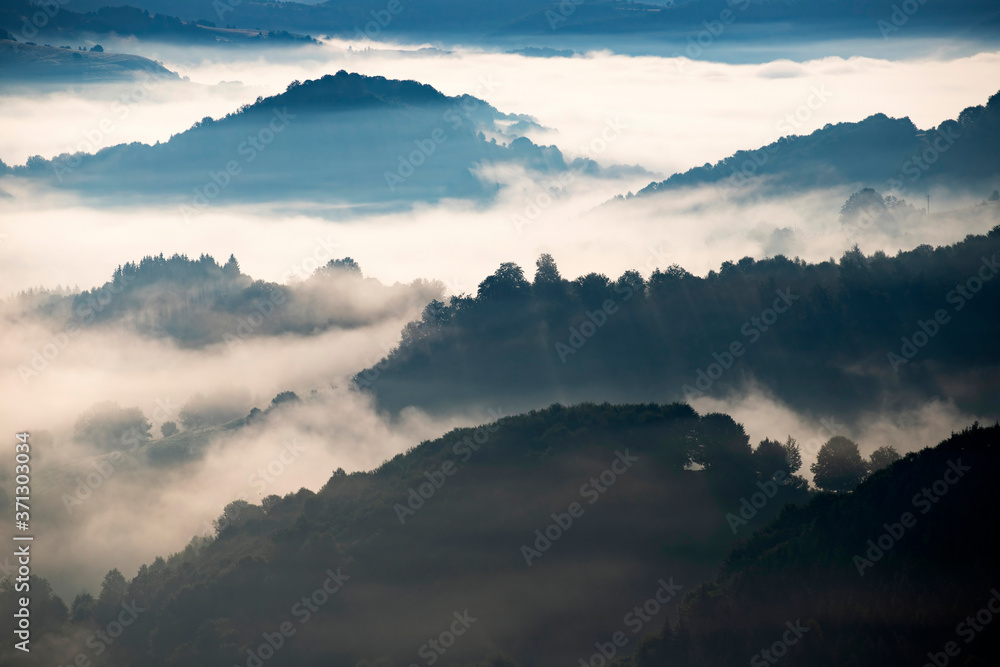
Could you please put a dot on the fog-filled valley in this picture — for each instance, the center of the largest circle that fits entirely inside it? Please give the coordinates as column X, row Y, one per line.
column 591, row 333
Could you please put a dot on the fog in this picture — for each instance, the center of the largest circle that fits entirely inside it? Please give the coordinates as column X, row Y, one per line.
column 763, row 416
column 677, row 113
column 672, row 114
column 459, row 243
column 136, row 509
column 136, row 513
column 80, row 512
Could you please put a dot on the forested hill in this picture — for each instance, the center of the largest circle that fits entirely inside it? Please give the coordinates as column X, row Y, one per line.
column 199, row 302
column 862, row 328
column 340, row 138
column 902, row 571
column 880, row 152
column 539, row 531
column 540, row 526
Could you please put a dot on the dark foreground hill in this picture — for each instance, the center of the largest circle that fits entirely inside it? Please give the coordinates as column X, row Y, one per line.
column 527, row 537
column 845, row 336
column 901, row 572
column 569, row 536
column 341, row 138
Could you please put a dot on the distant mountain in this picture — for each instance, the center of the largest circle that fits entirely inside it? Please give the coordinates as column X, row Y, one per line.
column 820, row 18
column 880, row 152
column 343, row 138
column 500, row 21
column 537, row 532
column 837, row 337
column 901, row 571
column 27, row 22
column 37, row 64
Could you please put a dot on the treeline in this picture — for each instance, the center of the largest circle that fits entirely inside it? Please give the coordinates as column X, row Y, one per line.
column 836, row 337
column 198, row 302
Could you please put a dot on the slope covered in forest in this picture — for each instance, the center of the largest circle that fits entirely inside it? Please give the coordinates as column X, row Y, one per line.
column 836, row 336
column 902, row 571
column 539, row 526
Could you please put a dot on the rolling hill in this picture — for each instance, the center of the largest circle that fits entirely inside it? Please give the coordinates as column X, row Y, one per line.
column 33, row 64
column 888, row 154
column 679, row 336
column 344, row 138
column 536, row 529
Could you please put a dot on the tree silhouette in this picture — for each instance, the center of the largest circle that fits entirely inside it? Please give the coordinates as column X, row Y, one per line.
column 721, row 443
column 593, row 289
column 769, row 457
column 111, row 426
column 269, row 502
column 83, row 607
column 792, row 455
column 339, row 267
column 866, row 202
column 839, row 466
column 231, row 268
column 772, row 456
column 114, row 588
column 546, row 271
column 506, row 283
column 881, row 458
column 237, row 513
column 285, row 397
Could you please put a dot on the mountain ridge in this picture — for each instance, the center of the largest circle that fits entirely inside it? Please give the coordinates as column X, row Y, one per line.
column 881, row 152
column 412, row 143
